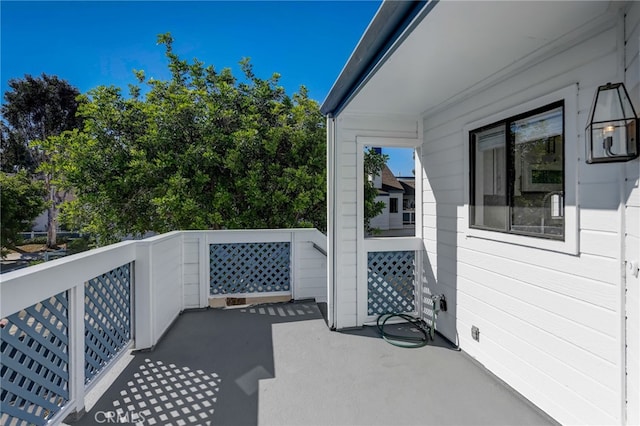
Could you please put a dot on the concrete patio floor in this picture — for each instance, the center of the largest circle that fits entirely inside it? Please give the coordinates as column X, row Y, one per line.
column 280, row 365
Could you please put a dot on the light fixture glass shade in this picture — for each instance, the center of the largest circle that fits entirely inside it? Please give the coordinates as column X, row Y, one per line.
column 612, row 132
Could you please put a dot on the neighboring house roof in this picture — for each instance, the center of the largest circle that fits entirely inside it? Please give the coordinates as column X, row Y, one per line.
column 389, row 23
column 411, row 181
column 409, row 185
column 389, row 181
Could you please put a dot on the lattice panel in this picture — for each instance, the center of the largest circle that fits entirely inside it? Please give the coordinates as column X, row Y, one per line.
column 250, row 267
column 107, row 318
column 34, row 359
column 391, row 282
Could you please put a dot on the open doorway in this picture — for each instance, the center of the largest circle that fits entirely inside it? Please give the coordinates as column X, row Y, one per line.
column 390, row 192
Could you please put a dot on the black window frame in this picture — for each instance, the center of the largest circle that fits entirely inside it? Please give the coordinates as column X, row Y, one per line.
column 511, row 170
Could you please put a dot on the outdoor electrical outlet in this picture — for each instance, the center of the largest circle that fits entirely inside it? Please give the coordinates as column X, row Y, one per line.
column 475, row 333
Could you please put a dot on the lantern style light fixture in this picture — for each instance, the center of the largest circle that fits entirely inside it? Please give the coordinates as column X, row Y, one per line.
column 612, row 133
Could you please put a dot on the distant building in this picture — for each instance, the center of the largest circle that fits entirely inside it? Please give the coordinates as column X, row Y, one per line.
column 398, row 194
column 41, row 223
column 408, row 199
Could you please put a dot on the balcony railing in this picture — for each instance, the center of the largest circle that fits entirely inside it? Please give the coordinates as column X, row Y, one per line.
column 67, row 320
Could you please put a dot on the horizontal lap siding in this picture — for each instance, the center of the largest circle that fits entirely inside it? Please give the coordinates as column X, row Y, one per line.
column 442, row 188
column 345, row 255
column 166, row 257
column 549, row 322
column 348, row 129
column 191, row 272
column 632, row 221
column 311, row 272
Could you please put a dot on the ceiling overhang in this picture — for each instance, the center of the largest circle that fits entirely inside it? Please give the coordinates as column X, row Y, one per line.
column 456, row 47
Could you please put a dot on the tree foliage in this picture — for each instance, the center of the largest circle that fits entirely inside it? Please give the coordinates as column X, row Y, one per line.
column 36, row 109
column 202, row 150
column 373, row 164
column 21, row 201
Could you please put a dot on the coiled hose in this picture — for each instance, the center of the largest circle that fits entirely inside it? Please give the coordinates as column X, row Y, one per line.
column 399, row 340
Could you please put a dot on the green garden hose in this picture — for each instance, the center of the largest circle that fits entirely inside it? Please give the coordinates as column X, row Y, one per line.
column 399, row 340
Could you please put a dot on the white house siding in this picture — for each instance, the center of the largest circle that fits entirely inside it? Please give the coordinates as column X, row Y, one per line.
column 166, row 264
column 549, row 321
column 158, row 276
column 632, row 224
column 344, row 269
column 381, row 221
column 191, row 271
column 387, row 220
column 310, row 265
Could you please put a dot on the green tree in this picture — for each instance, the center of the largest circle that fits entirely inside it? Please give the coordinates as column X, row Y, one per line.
column 202, row 150
column 21, row 201
column 34, row 109
column 373, row 164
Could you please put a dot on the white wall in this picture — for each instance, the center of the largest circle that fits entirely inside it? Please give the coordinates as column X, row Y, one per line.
column 381, row 221
column 158, row 286
column 309, row 265
column 191, row 271
column 166, row 263
column 387, row 220
column 549, row 320
column 631, row 194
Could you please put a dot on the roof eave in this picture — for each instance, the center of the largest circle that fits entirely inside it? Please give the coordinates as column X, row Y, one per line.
column 389, row 23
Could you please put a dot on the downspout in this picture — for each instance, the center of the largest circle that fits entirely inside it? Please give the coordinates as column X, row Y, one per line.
column 621, row 72
column 331, row 223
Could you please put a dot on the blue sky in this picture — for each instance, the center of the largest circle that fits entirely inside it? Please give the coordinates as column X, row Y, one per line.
column 92, row 43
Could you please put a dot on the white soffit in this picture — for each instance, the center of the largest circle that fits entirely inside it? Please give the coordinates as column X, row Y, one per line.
column 460, row 44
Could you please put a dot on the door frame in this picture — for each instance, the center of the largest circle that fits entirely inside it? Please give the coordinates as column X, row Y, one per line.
column 366, row 245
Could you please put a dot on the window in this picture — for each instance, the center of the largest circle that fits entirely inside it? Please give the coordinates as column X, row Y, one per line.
column 517, row 174
column 393, row 205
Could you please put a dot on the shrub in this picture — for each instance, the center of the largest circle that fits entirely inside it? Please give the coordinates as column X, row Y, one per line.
column 42, row 240
column 78, row 245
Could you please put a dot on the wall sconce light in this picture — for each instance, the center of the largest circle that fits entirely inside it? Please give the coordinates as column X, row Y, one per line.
column 612, row 133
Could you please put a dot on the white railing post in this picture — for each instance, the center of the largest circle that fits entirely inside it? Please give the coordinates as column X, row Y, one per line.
column 205, row 280
column 144, row 337
column 182, row 269
column 76, row 350
column 294, row 263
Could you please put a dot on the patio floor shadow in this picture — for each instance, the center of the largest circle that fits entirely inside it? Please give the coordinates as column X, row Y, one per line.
column 280, row 364
column 205, row 370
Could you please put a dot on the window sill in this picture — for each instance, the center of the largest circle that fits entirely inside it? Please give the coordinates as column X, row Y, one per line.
column 568, row 246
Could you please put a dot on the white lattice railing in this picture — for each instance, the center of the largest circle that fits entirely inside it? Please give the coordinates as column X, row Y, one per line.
column 247, row 268
column 391, row 282
column 35, row 347
column 243, row 263
column 391, row 271
column 59, row 331
column 69, row 318
column 35, row 362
